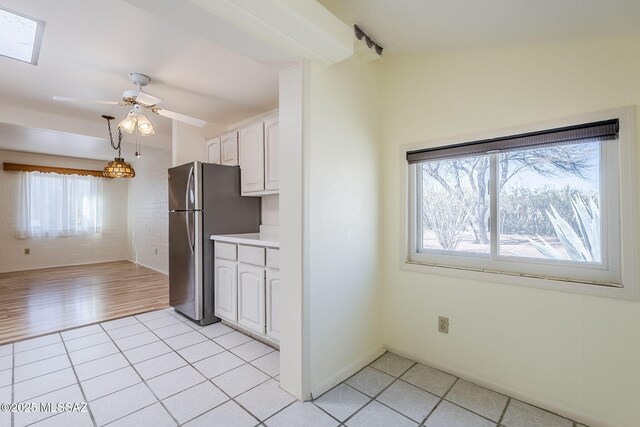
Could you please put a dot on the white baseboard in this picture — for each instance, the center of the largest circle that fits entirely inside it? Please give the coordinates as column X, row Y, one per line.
column 166, row 273
column 348, row 371
column 501, row 388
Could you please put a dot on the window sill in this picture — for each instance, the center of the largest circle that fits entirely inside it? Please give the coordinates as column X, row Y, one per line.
column 610, row 291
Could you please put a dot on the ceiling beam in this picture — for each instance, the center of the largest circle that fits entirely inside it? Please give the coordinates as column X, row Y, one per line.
column 298, row 28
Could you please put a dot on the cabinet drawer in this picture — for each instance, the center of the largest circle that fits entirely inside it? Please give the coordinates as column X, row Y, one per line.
column 251, row 255
column 273, row 259
column 225, row 251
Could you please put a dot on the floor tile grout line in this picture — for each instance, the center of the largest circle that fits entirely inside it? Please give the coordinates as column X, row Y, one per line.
column 439, row 402
column 38, row 347
column 325, row 411
column 137, row 410
column 157, row 398
column 193, row 367
column 504, row 411
column 75, row 374
column 275, row 413
column 224, row 392
column 395, row 379
column 97, row 358
column 82, row 336
column 46, row 373
column 374, row 398
column 206, row 379
column 543, row 409
column 472, row 411
column 145, row 383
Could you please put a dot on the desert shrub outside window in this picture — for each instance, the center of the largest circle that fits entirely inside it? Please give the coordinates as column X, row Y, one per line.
column 543, row 204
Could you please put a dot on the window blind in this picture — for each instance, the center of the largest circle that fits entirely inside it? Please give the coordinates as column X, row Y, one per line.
column 587, row 132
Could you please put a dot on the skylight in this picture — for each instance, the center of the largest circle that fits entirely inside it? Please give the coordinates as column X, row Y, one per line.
column 20, row 36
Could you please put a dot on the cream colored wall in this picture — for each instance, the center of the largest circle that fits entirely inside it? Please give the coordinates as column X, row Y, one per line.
column 341, row 162
column 188, row 142
column 111, row 245
column 576, row 354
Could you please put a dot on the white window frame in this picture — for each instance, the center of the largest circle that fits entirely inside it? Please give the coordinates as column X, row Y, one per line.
column 620, row 245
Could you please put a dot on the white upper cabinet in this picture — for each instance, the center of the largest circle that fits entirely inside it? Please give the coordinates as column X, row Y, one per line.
column 260, row 158
column 251, row 298
column 229, row 149
column 252, row 158
column 213, row 151
column 271, row 152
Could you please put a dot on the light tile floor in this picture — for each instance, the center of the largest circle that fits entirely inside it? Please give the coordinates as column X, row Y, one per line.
column 158, row 369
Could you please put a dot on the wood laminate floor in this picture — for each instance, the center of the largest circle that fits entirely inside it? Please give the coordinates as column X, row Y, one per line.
column 38, row 302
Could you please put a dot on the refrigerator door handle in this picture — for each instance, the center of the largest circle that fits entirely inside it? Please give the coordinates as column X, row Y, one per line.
column 188, row 226
column 197, row 241
column 187, row 191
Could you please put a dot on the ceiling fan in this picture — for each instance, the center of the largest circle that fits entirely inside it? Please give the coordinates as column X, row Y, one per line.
column 139, row 100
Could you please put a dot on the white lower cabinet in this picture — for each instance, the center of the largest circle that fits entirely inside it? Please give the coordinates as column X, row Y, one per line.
column 251, row 298
column 273, row 299
column 247, row 291
column 226, row 289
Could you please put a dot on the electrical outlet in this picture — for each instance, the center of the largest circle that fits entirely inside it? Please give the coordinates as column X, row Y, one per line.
column 27, row 251
column 443, row 324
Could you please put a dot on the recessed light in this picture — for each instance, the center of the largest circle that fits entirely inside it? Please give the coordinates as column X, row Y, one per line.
column 20, row 36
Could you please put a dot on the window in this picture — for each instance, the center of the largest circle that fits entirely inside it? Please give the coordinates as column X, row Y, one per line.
column 54, row 205
column 542, row 206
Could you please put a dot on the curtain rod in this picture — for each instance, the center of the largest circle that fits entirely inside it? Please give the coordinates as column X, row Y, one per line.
column 17, row 167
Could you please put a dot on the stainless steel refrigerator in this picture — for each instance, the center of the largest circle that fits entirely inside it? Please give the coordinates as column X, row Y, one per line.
column 204, row 199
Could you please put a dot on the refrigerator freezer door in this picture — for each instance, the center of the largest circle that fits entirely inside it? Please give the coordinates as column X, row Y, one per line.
column 185, row 263
column 185, row 187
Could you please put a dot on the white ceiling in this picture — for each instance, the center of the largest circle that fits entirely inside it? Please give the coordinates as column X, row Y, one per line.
column 90, row 46
column 44, row 141
column 406, row 27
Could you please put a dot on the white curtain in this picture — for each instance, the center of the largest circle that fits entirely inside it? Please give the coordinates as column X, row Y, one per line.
column 53, row 205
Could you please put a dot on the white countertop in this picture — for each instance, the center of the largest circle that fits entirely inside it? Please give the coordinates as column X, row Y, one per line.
column 256, row 239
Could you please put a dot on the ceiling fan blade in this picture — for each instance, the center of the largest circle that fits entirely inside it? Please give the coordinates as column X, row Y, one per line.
column 180, row 117
column 87, row 101
column 147, row 100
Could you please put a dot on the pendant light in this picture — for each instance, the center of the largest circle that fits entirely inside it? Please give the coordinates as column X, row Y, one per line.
column 117, row 168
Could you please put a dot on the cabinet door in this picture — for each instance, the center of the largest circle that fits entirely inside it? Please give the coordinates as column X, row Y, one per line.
column 226, row 290
column 229, row 149
column 251, row 142
column 213, row 151
column 273, row 300
column 251, row 298
column 271, row 153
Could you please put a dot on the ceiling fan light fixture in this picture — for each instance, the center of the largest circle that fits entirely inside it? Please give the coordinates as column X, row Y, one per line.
column 128, row 124
column 144, row 126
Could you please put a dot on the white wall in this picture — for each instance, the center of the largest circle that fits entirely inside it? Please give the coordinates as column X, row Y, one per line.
column 573, row 353
column 188, row 142
column 341, row 197
column 111, row 245
column 148, row 227
column 293, row 297
column 270, row 207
